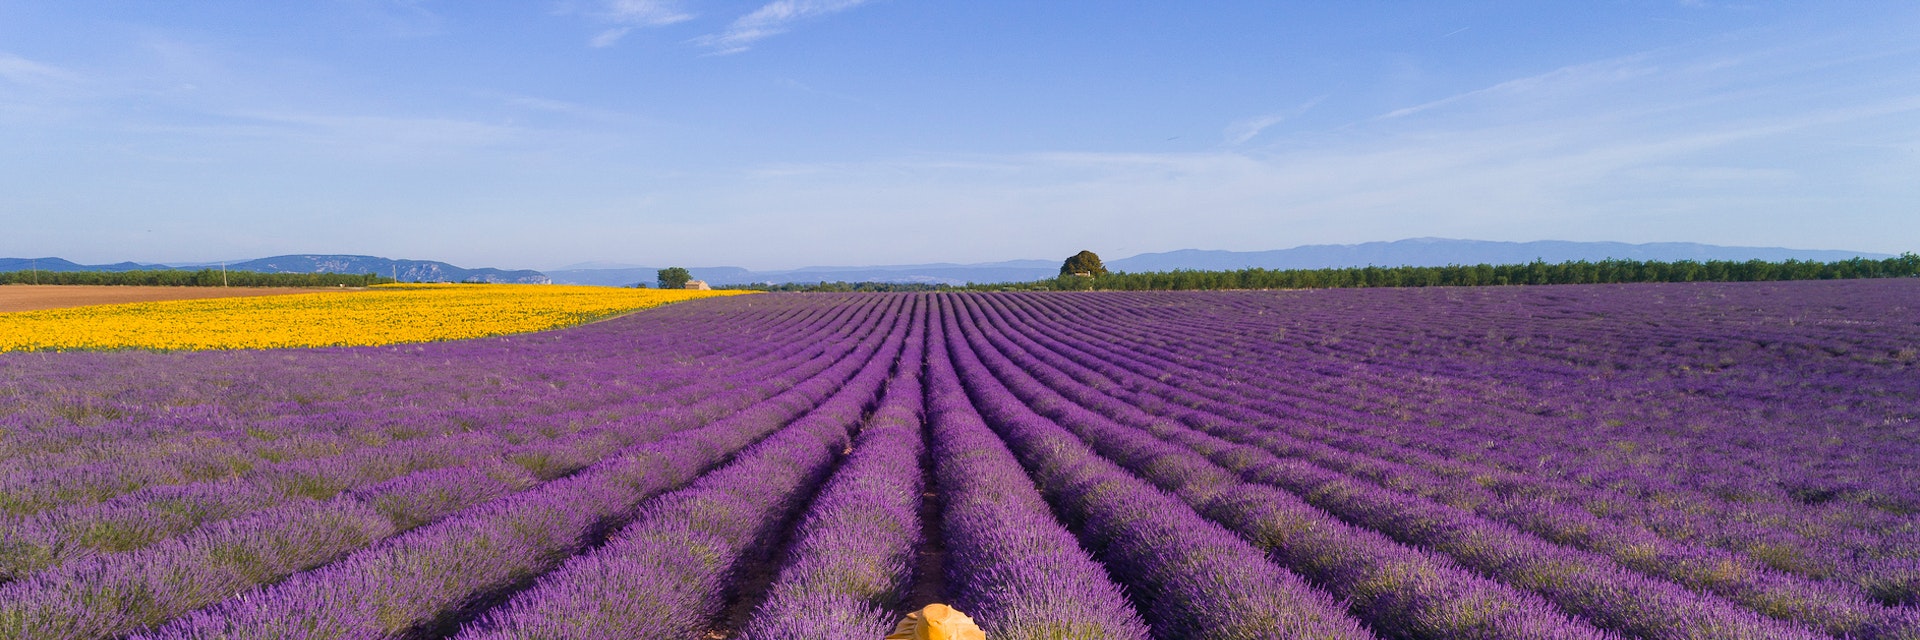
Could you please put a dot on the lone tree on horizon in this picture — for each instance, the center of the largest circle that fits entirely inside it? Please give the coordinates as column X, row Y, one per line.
column 673, row 278
column 1085, row 263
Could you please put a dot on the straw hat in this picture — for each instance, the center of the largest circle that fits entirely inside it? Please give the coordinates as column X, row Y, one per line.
column 937, row 622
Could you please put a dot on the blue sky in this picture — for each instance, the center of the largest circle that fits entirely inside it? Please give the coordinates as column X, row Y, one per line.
column 808, row 132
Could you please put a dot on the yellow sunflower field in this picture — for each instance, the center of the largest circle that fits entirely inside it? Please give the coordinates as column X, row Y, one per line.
column 379, row 315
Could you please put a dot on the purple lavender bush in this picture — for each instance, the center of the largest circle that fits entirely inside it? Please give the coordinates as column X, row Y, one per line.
column 1698, row 461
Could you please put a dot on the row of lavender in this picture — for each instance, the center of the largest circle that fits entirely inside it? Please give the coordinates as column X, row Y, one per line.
column 251, row 528
column 1595, row 587
column 1846, row 426
column 154, row 501
column 1060, row 379
column 1221, row 465
column 1516, row 503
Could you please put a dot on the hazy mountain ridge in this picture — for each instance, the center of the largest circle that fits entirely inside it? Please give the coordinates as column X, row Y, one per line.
column 1420, row 252
column 937, row 273
column 403, row 270
column 59, row 264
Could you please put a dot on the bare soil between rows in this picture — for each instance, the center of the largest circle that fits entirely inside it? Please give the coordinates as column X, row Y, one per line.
column 34, row 297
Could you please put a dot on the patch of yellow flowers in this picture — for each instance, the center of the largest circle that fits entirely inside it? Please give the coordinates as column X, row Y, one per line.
column 383, row 314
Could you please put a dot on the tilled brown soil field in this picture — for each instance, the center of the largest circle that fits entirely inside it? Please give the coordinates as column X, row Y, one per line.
column 29, row 297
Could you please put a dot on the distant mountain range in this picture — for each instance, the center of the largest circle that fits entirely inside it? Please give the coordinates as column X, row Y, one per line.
column 402, row 270
column 1420, row 252
column 1417, row 252
column 937, row 273
column 57, row 264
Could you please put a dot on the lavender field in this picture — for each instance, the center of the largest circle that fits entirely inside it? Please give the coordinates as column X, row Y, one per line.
column 1592, row 461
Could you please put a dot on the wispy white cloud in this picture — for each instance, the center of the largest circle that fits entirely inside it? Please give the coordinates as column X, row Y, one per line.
column 609, row 37
column 34, row 94
column 589, row 114
column 625, row 16
column 644, row 13
column 362, row 137
column 555, row 106
column 770, row 20
column 1242, row 131
column 1643, row 165
column 18, row 70
column 1580, row 77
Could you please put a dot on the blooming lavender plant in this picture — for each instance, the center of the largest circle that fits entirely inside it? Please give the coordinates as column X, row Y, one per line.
column 1657, row 461
column 417, row 579
column 1832, row 606
column 1197, row 579
column 667, row 574
column 850, row 564
column 1400, row 591
column 1012, row 566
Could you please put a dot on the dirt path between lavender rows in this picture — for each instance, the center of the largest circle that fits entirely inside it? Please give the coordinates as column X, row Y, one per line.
column 30, row 297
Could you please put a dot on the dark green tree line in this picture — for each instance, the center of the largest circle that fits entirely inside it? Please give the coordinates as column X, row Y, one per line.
column 1532, row 273
column 1537, row 272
